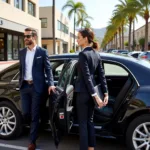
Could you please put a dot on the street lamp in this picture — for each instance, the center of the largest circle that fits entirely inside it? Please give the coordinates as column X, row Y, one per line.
column 53, row 27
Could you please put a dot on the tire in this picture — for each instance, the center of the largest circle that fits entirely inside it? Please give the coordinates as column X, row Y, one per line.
column 139, row 128
column 10, row 121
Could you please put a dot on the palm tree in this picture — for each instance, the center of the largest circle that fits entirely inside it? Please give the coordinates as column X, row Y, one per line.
column 83, row 20
column 130, row 10
column 75, row 9
column 121, row 18
column 144, row 10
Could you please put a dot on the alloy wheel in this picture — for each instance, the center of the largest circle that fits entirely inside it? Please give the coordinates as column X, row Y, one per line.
column 141, row 137
column 7, row 121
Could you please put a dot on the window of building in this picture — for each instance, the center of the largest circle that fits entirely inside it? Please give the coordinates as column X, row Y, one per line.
column 66, row 29
column 18, row 4
column 62, row 27
column 21, row 42
column 31, row 8
column 5, row 1
column 44, row 46
column 58, row 25
column 15, row 47
column 2, row 49
column 9, row 47
column 43, row 22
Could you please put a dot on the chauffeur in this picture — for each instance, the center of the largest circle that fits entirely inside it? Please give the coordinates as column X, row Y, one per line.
column 34, row 64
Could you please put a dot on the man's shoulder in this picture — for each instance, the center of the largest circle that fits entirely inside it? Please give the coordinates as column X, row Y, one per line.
column 23, row 49
column 43, row 50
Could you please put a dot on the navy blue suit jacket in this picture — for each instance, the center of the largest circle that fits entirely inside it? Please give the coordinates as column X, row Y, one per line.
column 41, row 67
column 89, row 65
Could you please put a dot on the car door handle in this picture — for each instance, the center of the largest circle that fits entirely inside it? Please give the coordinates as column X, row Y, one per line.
column 17, row 89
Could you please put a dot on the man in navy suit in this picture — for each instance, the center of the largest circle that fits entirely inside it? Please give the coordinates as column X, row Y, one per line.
column 35, row 70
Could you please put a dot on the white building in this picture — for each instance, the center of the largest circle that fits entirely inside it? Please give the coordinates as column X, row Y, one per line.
column 63, row 31
column 15, row 16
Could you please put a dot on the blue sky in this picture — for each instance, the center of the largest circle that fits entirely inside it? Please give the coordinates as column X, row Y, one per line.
column 100, row 10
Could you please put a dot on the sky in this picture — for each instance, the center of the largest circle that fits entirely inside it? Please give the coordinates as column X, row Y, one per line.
column 100, row 10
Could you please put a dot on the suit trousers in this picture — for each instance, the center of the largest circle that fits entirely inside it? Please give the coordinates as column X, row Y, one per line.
column 85, row 111
column 31, row 101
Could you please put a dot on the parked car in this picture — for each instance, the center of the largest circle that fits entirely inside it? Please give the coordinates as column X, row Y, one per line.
column 127, row 114
column 122, row 51
column 110, row 50
column 145, row 55
column 114, row 51
column 134, row 54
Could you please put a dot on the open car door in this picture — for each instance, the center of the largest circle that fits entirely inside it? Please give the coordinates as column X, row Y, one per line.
column 60, row 104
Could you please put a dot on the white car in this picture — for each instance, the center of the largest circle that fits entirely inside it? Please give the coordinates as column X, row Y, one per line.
column 134, row 54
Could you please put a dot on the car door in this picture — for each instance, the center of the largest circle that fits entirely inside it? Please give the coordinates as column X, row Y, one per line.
column 60, row 104
column 57, row 67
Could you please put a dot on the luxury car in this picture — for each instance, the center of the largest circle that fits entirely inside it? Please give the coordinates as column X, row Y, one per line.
column 126, row 116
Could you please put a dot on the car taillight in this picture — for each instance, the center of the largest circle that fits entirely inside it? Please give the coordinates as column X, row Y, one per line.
column 144, row 57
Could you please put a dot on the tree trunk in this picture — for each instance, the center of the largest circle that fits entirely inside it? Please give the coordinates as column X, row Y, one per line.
column 146, row 36
column 111, row 43
column 116, row 42
column 54, row 49
column 120, row 46
column 74, row 32
column 129, row 40
column 133, row 34
column 122, row 36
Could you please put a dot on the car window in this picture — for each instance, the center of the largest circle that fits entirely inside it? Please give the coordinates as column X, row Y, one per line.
column 65, row 76
column 135, row 55
column 9, row 73
column 114, row 69
column 57, row 67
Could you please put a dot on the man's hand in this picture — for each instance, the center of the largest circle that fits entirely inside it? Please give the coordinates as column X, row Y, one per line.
column 105, row 99
column 51, row 88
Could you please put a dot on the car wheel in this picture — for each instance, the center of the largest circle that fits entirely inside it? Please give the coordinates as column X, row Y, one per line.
column 138, row 133
column 10, row 121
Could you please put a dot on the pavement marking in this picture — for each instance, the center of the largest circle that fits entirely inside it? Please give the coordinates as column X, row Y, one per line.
column 14, row 147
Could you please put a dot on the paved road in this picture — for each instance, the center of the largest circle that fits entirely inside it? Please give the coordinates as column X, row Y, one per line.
column 70, row 142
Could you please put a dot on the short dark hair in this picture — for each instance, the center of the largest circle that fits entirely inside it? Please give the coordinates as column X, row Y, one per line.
column 34, row 33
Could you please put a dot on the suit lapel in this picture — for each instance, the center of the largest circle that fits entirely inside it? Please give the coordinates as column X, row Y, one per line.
column 36, row 55
column 24, row 58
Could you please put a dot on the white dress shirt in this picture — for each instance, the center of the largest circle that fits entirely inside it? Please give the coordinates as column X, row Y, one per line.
column 29, row 63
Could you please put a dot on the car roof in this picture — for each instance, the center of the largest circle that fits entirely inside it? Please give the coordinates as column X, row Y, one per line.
column 136, row 66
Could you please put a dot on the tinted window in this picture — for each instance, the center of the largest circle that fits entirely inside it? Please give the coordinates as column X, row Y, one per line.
column 135, row 55
column 9, row 73
column 57, row 67
column 65, row 76
column 113, row 69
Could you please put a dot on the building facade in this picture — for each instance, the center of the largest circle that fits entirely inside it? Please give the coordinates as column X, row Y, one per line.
column 140, row 33
column 15, row 16
column 63, row 31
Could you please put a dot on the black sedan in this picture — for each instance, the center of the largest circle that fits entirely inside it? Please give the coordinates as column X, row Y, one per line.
column 127, row 114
